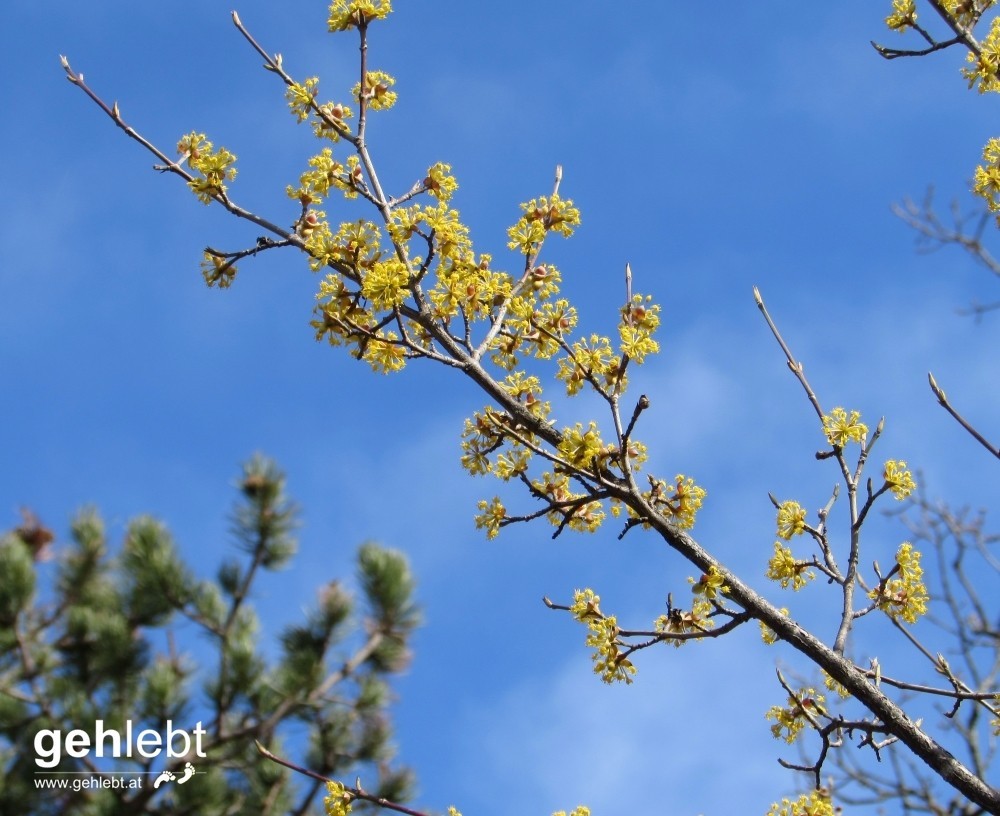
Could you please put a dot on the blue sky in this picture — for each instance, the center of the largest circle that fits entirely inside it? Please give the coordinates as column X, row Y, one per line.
column 761, row 144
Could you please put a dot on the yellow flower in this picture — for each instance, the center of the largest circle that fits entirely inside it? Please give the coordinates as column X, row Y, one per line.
column 904, row 14
column 586, row 605
column 376, row 90
column 439, row 182
column 579, row 810
column 385, row 284
column 986, row 182
column 983, row 76
column 580, row 447
column 898, row 478
column 681, row 622
column 679, row 501
column 301, row 98
column 906, row 596
column 539, row 217
column 215, row 167
column 841, row 428
column 791, row 520
column 346, row 14
column 384, row 352
column 217, row 270
column 814, row 803
column 786, row 570
column 639, row 319
column 799, row 711
column 338, row 799
column 710, row 584
column 492, row 517
column 610, row 663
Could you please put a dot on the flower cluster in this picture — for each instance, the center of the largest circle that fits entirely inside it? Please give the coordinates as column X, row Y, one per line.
column 217, row 270
column 710, row 584
column 898, row 479
column 440, row 183
column 905, row 596
column 591, row 360
column 347, row 14
column 214, row 166
column 686, row 622
column 337, row 800
column 377, row 90
column 986, row 182
column 841, row 428
column 539, row 217
column 579, row 810
column 801, row 709
column 639, row 320
column 491, row 516
column 784, row 569
column 983, row 74
column 814, row 803
column 610, row 662
column 904, row 14
column 679, row 502
column 302, row 97
column 791, row 520
column 326, row 172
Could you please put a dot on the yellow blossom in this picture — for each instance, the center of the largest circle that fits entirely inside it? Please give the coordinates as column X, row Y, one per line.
column 841, row 428
column 218, row 270
column 786, row 570
column 214, row 166
column 385, row 284
column 579, row 447
column 898, row 478
column 491, row 517
column 686, row 622
column 814, row 803
column 377, row 90
column 337, row 800
column 610, row 663
column 799, row 711
column 791, row 520
column 347, row 14
column 439, row 182
column 579, row 810
column 384, row 352
column 680, row 501
column 591, row 358
column 906, row 595
column 986, row 182
column 301, row 98
column 329, row 122
column 986, row 63
column 904, row 14
column 710, row 584
column 539, row 217
column 639, row 319
column 586, row 605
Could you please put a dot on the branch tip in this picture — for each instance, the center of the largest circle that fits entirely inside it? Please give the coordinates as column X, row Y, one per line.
column 236, row 17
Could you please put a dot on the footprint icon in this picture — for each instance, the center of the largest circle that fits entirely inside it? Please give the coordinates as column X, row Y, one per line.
column 165, row 776
column 188, row 773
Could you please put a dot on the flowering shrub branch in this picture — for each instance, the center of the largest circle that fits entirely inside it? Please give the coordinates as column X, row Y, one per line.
column 408, row 284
